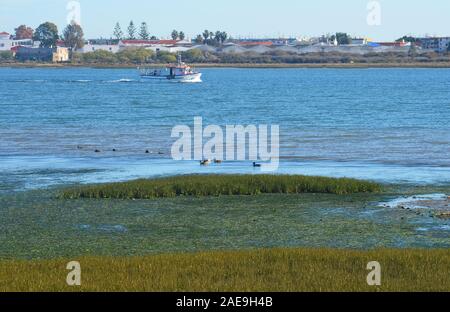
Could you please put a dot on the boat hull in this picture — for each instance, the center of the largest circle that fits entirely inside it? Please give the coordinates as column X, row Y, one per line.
column 181, row 78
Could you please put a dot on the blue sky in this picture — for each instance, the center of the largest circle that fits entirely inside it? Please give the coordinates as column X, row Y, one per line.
column 255, row 18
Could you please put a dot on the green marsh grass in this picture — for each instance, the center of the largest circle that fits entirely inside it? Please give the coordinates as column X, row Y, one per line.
column 217, row 185
column 258, row 270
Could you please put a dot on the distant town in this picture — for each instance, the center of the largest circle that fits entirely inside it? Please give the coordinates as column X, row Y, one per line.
column 135, row 45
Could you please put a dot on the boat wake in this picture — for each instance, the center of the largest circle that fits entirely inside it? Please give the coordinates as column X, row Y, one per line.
column 197, row 80
column 187, row 81
column 121, row 80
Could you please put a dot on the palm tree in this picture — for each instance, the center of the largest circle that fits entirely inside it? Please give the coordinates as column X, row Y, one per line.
column 181, row 35
column 206, row 35
column 199, row 39
column 223, row 36
column 217, row 36
column 175, row 35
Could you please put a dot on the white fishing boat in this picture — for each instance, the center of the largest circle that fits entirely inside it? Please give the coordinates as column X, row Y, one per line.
column 179, row 72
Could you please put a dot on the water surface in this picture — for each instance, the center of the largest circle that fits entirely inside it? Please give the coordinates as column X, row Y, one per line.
column 389, row 125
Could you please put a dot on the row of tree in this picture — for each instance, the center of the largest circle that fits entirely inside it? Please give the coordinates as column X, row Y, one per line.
column 132, row 32
column 47, row 34
column 141, row 33
column 73, row 35
column 212, row 38
column 342, row 38
column 207, row 37
column 178, row 35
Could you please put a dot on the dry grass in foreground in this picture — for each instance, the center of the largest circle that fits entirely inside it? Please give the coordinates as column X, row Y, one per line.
column 259, row 270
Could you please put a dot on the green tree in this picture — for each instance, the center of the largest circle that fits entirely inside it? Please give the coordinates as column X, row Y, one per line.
column 47, row 34
column 342, row 38
column 217, row 36
column 131, row 31
column 24, row 32
column 142, row 56
column 174, row 35
column 166, row 57
column 199, row 39
column 143, row 33
column 136, row 56
column 181, row 35
column 193, row 56
column 73, row 36
column 220, row 37
column 223, row 36
column 6, row 56
column 99, row 56
column 407, row 39
column 77, row 57
column 205, row 36
column 118, row 33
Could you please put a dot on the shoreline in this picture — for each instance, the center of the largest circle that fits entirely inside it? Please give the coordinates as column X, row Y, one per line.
column 238, row 65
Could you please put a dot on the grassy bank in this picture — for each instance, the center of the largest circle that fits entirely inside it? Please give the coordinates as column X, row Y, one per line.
column 217, row 185
column 258, row 270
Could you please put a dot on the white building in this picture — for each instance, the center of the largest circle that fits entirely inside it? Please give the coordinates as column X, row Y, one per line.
column 437, row 44
column 8, row 44
column 4, row 36
column 114, row 48
column 359, row 41
column 146, row 43
column 172, row 46
column 172, row 49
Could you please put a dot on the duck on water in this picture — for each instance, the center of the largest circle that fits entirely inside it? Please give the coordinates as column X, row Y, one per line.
column 179, row 72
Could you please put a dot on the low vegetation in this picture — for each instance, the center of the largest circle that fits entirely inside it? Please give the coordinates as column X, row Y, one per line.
column 6, row 56
column 286, row 57
column 216, row 185
column 144, row 56
column 258, row 270
column 128, row 56
column 276, row 58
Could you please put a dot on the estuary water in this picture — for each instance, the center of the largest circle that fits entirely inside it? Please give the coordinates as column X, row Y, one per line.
column 388, row 125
